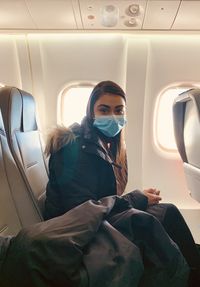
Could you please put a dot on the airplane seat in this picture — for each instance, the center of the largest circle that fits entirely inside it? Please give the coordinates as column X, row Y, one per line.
column 18, row 112
column 17, row 208
column 186, row 116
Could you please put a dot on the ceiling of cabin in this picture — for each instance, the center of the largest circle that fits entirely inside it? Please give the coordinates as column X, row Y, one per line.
column 84, row 15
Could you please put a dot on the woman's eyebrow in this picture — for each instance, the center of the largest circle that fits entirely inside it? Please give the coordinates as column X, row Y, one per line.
column 108, row 107
column 120, row 106
column 103, row 105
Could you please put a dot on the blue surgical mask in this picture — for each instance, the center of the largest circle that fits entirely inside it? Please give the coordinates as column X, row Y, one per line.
column 110, row 126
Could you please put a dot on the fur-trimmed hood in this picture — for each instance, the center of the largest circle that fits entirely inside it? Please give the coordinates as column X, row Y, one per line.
column 62, row 136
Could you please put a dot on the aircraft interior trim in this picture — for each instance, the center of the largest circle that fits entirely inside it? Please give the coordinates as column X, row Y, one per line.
column 52, row 52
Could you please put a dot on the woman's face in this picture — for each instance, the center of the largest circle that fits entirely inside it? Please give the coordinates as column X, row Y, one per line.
column 109, row 105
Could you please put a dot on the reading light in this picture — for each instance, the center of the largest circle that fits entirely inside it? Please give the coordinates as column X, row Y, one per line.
column 109, row 16
column 133, row 10
column 132, row 22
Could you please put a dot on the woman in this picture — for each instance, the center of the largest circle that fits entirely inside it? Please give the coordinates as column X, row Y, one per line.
column 88, row 161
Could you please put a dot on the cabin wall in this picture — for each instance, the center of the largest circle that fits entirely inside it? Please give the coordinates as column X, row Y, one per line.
column 61, row 60
column 171, row 60
column 15, row 69
column 142, row 64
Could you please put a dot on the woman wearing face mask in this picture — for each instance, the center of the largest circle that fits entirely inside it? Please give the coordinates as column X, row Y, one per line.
column 88, row 161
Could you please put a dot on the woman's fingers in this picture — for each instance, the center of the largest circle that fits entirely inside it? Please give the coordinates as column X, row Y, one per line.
column 152, row 195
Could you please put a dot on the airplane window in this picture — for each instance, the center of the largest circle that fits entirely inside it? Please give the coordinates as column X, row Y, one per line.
column 73, row 103
column 163, row 119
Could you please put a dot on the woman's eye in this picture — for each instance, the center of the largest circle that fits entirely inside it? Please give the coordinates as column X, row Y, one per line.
column 103, row 111
column 120, row 112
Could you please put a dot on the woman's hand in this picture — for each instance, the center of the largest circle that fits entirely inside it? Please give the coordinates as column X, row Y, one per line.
column 153, row 195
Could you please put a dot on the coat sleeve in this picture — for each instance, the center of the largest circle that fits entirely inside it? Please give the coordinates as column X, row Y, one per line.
column 137, row 199
column 4, row 246
column 66, row 188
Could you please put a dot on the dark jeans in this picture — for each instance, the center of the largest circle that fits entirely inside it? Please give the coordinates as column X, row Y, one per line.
column 177, row 229
column 164, row 264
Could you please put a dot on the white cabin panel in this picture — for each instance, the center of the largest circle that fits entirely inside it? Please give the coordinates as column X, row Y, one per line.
column 188, row 17
column 59, row 14
column 137, row 57
column 63, row 59
column 15, row 15
column 160, row 14
column 10, row 72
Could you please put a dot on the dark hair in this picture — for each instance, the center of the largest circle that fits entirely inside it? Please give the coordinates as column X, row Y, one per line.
column 104, row 87
column 117, row 144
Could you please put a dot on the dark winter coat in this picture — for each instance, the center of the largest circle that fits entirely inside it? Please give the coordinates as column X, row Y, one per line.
column 82, row 170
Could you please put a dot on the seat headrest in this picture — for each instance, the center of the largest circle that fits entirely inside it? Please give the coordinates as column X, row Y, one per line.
column 18, row 110
column 28, row 114
column 2, row 129
column 180, row 107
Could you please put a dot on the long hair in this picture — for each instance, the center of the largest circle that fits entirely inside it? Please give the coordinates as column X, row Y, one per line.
column 117, row 143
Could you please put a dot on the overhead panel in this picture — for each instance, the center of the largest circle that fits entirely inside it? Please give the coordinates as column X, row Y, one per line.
column 52, row 14
column 102, row 15
column 188, row 17
column 14, row 15
column 160, row 15
column 112, row 15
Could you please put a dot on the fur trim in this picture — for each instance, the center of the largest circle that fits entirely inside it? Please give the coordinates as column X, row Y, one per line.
column 59, row 137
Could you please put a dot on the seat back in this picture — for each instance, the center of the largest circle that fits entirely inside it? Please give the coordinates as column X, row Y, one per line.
column 17, row 207
column 186, row 113
column 18, row 111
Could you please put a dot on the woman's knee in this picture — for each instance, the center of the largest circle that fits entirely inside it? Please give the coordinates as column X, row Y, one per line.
column 172, row 207
column 146, row 219
column 172, row 212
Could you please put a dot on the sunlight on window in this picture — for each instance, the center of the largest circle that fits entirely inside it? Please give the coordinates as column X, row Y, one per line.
column 74, row 103
column 163, row 126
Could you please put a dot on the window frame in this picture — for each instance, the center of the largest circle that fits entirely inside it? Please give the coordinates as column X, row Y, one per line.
column 166, row 151
column 62, row 95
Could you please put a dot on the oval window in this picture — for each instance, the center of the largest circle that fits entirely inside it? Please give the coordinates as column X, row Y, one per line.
column 73, row 103
column 163, row 119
